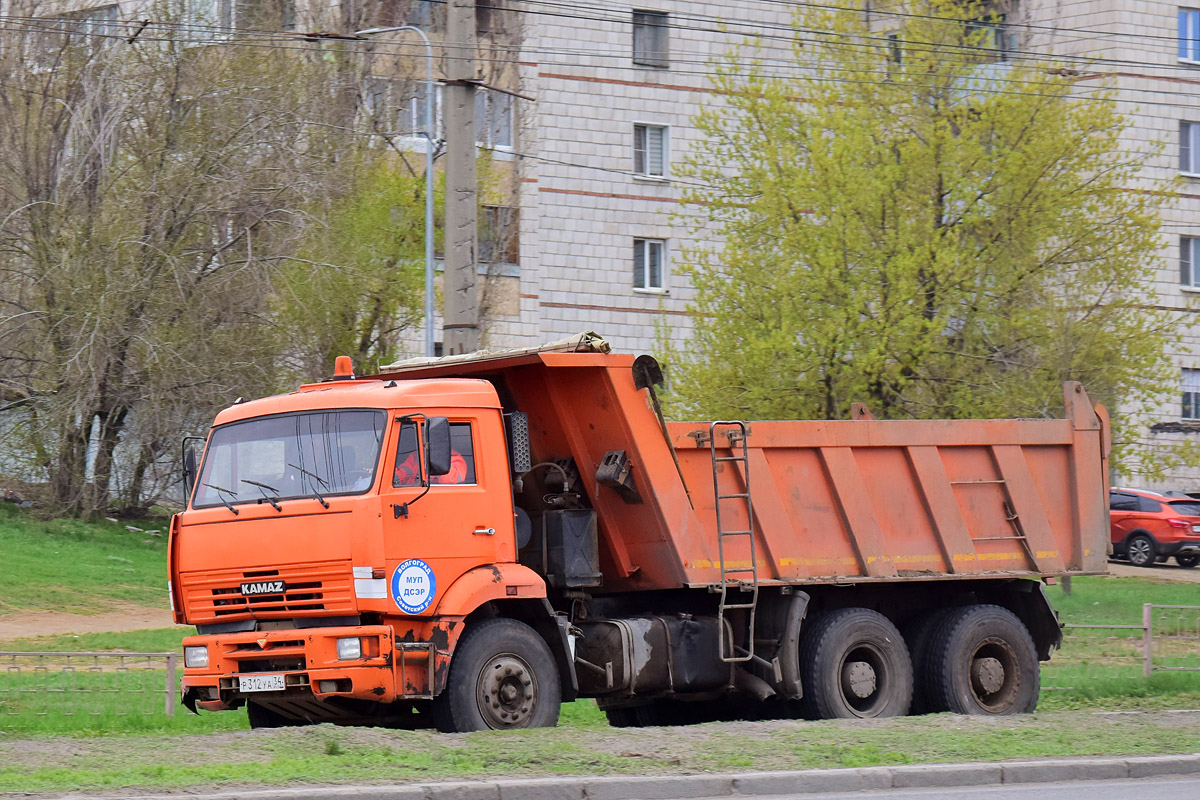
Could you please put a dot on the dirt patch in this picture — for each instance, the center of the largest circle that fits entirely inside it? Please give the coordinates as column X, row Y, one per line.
column 27, row 624
column 1169, row 571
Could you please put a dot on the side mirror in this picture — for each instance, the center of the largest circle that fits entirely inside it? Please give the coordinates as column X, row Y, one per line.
column 437, row 440
column 189, row 467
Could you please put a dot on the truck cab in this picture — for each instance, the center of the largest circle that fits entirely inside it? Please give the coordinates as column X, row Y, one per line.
column 329, row 553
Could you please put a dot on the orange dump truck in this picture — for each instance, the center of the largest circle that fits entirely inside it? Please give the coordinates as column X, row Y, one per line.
column 467, row 542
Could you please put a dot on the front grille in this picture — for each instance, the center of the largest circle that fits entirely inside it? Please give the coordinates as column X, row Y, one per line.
column 308, row 589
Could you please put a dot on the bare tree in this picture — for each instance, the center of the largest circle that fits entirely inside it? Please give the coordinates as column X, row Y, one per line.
column 148, row 189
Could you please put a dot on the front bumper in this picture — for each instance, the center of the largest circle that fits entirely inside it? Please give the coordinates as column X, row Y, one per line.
column 307, row 661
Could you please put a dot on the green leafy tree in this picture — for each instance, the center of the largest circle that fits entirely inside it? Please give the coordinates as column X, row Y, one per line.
column 358, row 284
column 921, row 228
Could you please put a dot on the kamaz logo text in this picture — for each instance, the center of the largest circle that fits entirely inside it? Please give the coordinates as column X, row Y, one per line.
column 263, row 587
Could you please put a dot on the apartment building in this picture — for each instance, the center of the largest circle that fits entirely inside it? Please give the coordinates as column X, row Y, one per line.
column 586, row 111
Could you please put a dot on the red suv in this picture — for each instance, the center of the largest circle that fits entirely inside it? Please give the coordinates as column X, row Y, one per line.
column 1153, row 526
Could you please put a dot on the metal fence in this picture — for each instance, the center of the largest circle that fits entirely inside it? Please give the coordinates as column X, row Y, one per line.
column 1166, row 640
column 88, row 684
column 124, row 684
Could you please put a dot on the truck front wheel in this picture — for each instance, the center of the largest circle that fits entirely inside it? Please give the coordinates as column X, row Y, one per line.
column 982, row 660
column 502, row 675
column 854, row 663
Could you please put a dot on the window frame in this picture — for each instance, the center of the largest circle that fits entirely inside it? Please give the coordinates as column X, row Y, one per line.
column 644, row 258
column 1189, row 263
column 1188, row 47
column 651, row 41
column 1189, row 385
column 642, row 146
column 1189, row 148
column 471, row 458
column 486, row 117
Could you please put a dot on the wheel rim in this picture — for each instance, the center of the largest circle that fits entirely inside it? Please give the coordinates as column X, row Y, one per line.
column 864, row 679
column 1140, row 551
column 506, row 692
column 995, row 675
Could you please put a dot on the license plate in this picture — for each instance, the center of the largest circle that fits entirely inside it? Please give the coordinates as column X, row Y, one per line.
column 1196, row 529
column 260, row 683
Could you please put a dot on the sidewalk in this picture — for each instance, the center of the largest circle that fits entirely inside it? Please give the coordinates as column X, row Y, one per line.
column 750, row 784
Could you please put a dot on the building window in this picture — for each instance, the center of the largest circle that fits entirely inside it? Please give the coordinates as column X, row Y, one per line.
column 207, row 19
column 412, row 113
column 1189, row 148
column 650, row 38
column 1189, row 35
column 894, row 51
column 650, row 150
column 428, row 15
column 992, row 35
column 648, row 258
column 1189, row 262
column 494, row 118
column 1191, row 394
column 499, row 235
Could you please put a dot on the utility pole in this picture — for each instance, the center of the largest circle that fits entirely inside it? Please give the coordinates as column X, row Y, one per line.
column 460, row 327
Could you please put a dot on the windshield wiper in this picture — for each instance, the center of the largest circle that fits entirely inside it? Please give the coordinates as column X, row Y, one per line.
column 262, row 487
column 220, row 497
column 315, row 477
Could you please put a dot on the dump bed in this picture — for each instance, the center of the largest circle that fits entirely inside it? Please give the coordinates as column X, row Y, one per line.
column 843, row 501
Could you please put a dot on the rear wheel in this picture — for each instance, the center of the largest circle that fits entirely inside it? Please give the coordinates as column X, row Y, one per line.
column 917, row 635
column 854, row 663
column 502, row 675
column 1141, row 550
column 1187, row 561
column 982, row 661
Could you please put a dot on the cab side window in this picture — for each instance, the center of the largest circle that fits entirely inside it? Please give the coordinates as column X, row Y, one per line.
column 407, row 471
column 462, row 455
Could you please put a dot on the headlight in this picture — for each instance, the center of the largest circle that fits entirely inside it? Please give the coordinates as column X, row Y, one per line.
column 195, row 656
column 349, row 649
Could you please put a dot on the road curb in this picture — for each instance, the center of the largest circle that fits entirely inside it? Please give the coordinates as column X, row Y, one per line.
column 748, row 784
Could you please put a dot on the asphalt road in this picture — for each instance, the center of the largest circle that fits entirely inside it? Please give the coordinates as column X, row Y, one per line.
column 1183, row 788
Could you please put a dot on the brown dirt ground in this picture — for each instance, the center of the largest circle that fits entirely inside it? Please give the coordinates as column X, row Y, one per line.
column 26, row 624
column 1169, row 571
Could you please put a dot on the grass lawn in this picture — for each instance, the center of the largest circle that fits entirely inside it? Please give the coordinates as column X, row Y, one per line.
column 330, row 755
column 99, row 728
column 80, row 567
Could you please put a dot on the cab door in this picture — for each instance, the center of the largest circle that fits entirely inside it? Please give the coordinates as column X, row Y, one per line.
column 436, row 532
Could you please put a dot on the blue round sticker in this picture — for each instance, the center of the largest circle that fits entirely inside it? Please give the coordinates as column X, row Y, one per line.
column 413, row 586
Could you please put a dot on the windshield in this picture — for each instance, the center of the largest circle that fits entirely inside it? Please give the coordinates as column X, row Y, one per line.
column 292, row 455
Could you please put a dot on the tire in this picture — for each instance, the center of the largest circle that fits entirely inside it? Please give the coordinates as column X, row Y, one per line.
column 917, row 635
column 1140, row 550
column 263, row 717
column 502, row 675
column 1187, row 561
column 854, row 663
column 982, row 661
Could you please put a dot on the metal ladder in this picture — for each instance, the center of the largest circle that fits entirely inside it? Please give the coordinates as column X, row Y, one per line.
column 741, row 579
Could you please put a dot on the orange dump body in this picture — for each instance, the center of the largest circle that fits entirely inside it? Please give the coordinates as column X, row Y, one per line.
column 832, row 501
